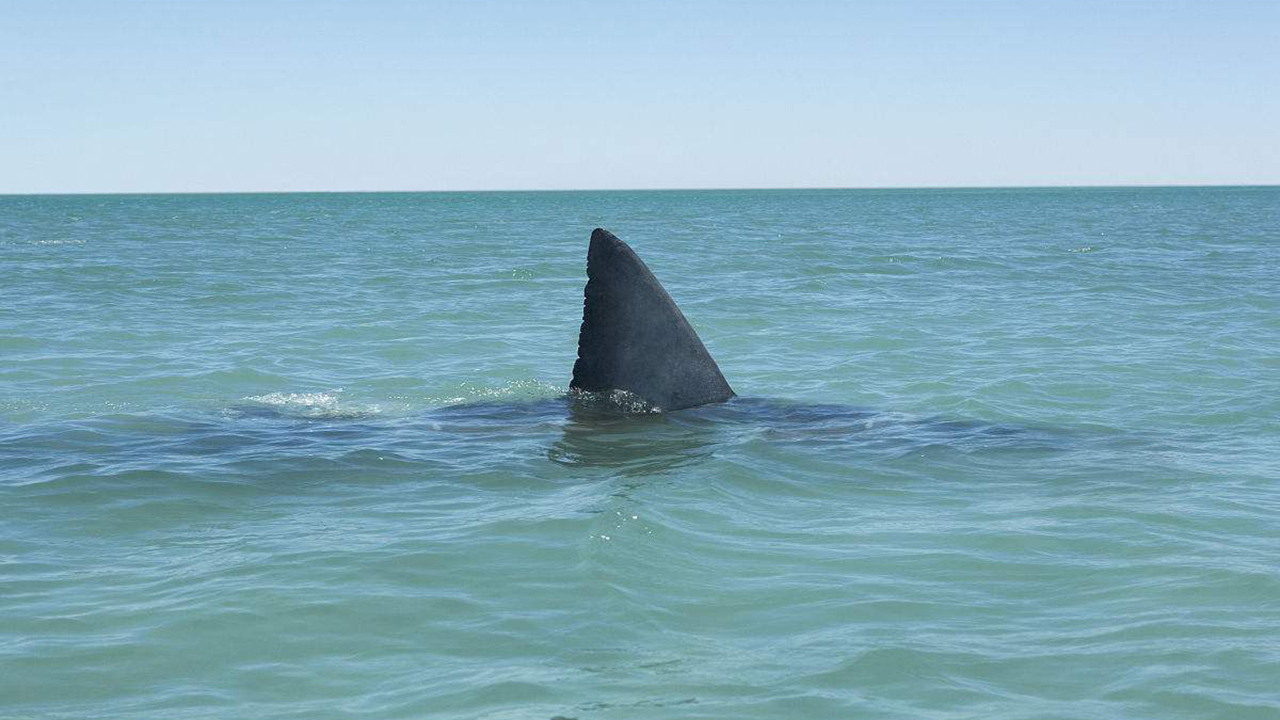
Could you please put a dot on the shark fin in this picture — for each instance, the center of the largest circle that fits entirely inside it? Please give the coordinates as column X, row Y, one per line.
column 635, row 338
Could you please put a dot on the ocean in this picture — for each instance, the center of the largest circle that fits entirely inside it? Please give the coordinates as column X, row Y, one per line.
column 999, row 454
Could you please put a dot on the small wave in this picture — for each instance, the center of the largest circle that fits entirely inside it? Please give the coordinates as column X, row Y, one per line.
column 513, row 390
column 308, row 405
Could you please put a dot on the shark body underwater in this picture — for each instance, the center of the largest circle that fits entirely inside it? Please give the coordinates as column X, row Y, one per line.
column 643, row 373
column 645, row 389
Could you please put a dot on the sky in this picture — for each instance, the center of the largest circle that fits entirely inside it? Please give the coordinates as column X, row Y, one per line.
column 270, row 95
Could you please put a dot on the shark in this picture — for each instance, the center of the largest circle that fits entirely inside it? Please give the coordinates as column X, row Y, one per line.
column 645, row 389
column 643, row 379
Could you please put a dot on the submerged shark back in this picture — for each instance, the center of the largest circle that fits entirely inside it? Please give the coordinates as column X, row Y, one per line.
column 634, row 338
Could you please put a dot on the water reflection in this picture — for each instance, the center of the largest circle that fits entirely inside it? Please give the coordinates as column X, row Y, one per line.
column 598, row 436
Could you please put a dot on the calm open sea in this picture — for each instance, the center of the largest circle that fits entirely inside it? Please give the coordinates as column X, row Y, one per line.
column 999, row 454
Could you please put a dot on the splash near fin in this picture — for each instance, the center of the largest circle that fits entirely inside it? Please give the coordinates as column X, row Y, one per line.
column 634, row 338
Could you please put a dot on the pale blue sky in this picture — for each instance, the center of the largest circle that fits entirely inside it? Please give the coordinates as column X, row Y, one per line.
column 188, row 96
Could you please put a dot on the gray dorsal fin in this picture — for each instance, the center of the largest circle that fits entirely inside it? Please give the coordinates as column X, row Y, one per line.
column 634, row 338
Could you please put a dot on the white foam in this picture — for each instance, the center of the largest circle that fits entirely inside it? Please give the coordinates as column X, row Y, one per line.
column 620, row 400
column 314, row 404
column 512, row 390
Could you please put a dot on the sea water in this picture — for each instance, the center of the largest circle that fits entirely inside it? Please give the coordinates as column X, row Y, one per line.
column 997, row 454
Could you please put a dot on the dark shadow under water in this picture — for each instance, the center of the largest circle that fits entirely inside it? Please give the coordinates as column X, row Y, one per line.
column 599, row 433
column 570, row 431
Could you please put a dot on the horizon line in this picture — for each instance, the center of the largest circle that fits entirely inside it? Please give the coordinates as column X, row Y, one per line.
column 1116, row 186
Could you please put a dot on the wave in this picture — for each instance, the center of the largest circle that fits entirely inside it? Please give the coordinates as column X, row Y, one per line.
column 318, row 405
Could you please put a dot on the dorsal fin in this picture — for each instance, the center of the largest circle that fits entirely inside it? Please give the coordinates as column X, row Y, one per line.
column 634, row 338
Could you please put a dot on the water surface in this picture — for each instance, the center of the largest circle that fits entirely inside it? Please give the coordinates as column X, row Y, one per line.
column 999, row 454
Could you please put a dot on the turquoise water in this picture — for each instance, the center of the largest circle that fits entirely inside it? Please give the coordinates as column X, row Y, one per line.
column 999, row 454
